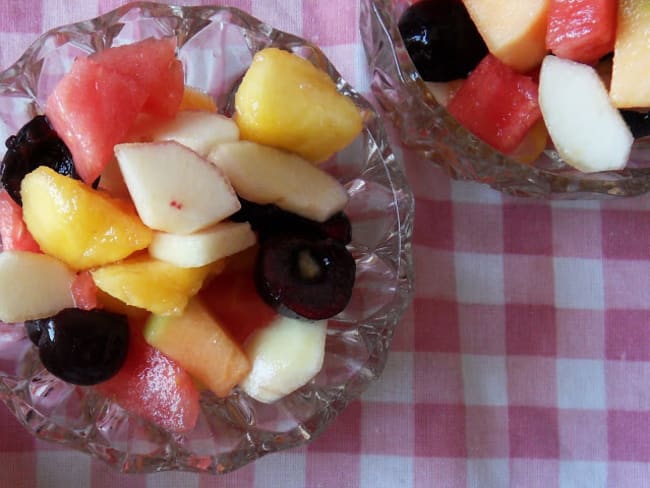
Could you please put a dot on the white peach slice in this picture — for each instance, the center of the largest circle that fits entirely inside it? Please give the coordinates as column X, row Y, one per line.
column 202, row 247
column 198, row 130
column 587, row 130
column 263, row 174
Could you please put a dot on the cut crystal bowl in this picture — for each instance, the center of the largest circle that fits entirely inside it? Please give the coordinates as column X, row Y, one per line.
column 216, row 45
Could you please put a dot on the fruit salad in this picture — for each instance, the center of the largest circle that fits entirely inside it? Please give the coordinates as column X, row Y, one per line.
column 154, row 247
column 518, row 74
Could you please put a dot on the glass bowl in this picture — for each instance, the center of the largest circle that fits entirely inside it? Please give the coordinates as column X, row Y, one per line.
column 216, row 46
column 426, row 127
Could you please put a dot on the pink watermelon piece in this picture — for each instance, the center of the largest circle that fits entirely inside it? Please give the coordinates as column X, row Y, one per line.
column 153, row 64
column 84, row 291
column 233, row 299
column 154, row 386
column 497, row 104
column 91, row 109
column 13, row 231
column 581, row 30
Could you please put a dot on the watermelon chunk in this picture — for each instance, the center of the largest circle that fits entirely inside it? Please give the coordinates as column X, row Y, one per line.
column 152, row 63
column 84, row 291
column 154, row 386
column 233, row 300
column 497, row 104
column 581, row 30
column 91, row 109
column 13, row 231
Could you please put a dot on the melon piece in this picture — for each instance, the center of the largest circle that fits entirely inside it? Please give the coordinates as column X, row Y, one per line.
column 203, row 247
column 630, row 85
column 286, row 102
column 154, row 386
column 173, row 188
column 581, row 30
column 233, row 300
column 195, row 99
column 92, row 109
column 589, row 133
column 153, row 65
column 497, row 104
column 263, row 174
column 78, row 225
column 143, row 282
column 13, row 231
column 199, row 344
column 33, row 286
column 285, row 356
column 514, row 30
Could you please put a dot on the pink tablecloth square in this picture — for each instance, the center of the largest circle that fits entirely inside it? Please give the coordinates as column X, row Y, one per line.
column 518, row 270
column 527, row 228
column 532, row 381
column 487, row 431
column 521, row 338
column 21, row 16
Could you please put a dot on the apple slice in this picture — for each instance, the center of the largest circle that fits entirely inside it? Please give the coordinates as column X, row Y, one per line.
column 589, row 133
column 173, row 188
column 263, row 174
column 198, row 130
column 33, row 286
column 285, row 355
column 203, row 247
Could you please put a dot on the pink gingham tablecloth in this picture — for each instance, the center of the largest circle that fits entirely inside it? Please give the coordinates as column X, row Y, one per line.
column 524, row 360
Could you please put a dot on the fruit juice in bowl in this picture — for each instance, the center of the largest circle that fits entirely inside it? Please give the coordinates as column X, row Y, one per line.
column 536, row 103
column 190, row 276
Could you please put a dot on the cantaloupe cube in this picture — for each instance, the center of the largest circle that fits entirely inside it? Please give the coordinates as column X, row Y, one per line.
column 201, row 346
column 630, row 85
column 195, row 99
column 514, row 30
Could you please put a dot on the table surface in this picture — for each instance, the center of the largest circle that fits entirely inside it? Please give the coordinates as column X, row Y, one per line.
column 523, row 361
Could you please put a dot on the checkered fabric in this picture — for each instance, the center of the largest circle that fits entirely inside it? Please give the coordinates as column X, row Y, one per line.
column 524, row 360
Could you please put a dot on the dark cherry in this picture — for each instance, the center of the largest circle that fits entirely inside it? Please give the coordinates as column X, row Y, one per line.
column 33, row 328
column 303, row 277
column 441, row 39
column 36, row 144
column 270, row 220
column 638, row 122
column 83, row 347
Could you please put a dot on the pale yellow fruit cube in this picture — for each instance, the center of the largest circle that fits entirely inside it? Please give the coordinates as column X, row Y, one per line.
column 144, row 282
column 286, row 102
